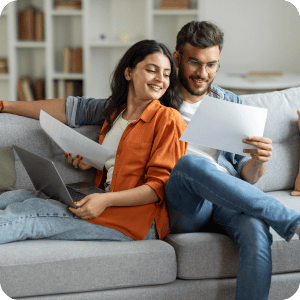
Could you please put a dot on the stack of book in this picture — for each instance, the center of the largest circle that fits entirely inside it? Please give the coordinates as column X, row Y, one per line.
column 31, row 24
column 262, row 76
column 73, row 88
column 3, row 66
column 73, row 60
column 67, row 4
column 30, row 90
column 64, row 89
column 174, row 4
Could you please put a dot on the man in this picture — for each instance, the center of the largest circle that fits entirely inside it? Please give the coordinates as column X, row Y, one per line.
column 210, row 188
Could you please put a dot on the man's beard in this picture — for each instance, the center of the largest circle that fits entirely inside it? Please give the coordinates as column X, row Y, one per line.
column 184, row 82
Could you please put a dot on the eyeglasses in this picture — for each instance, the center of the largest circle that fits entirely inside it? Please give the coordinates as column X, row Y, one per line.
column 195, row 65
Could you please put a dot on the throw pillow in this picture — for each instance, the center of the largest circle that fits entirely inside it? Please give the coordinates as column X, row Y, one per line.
column 7, row 169
column 296, row 191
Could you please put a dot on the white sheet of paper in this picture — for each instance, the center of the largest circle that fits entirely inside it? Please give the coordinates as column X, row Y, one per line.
column 223, row 125
column 73, row 142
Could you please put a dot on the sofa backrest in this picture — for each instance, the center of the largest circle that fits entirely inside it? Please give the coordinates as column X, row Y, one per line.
column 282, row 128
column 28, row 134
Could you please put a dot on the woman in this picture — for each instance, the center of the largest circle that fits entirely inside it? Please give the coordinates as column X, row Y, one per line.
column 143, row 137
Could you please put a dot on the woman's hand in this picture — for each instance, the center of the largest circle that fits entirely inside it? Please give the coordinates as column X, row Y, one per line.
column 77, row 162
column 90, row 206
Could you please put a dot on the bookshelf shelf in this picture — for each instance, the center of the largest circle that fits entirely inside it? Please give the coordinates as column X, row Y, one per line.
column 174, row 12
column 98, row 28
column 112, row 44
column 4, row 77
column 67, row 12
column 29, row 44
column 68, row 76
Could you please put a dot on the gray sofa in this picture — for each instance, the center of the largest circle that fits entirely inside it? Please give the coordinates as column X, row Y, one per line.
column 183, row 266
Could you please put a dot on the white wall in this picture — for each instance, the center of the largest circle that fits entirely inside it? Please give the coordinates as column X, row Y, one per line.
column 260, row 35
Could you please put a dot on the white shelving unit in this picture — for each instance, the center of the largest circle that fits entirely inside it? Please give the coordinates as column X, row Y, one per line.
column 104, row 29
column 163, row 25
column 4, row 50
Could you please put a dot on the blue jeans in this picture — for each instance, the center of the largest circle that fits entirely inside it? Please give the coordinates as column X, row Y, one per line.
column 23, row 216
column 199, row 194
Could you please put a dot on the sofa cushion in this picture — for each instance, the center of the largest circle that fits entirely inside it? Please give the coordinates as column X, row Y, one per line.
column 7, row 169
column 282, row 128
column 213, row 255
column 28, row 134
column 44, row 267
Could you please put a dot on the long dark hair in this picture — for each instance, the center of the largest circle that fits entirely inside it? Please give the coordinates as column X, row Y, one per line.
column 119, row 85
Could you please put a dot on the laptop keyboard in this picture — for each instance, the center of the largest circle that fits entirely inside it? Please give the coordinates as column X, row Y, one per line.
column 76, row 196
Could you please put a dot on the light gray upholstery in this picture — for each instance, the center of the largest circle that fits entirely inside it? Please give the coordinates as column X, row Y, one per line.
column 282, row 128
column 283, row 286
column 28, row 134
column 212, row 255
column 56, row 267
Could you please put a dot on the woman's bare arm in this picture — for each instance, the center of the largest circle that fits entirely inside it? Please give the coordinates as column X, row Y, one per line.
column 54, row 107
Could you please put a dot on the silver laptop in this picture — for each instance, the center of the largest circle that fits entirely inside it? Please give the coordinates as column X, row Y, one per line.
column 46, row 179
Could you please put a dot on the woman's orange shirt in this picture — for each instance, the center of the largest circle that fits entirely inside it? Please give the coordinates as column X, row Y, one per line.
column 148, row 150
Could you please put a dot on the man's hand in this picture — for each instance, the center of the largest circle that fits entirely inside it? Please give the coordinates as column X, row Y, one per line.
column 264, row 148
column 255, row 167
column 77, row 162
column 90, row 206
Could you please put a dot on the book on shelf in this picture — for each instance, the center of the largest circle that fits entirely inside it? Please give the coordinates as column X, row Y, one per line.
column 39, row 86
column 67, row 60
column 25, row 89
column 77, row 60
column 29, row 89
column 31, row 24
column 3, row 66
column 174, row 4
column 56, row 89
column 72, row 60
column 73, row 88
column 21, row 95
column 39, row 26
column 67, row 4
column 264, row 74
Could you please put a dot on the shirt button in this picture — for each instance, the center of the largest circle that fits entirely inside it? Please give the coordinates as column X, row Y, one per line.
column 118, row 155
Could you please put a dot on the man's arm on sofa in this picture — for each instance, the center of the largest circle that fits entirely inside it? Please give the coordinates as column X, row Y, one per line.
column 54, row 107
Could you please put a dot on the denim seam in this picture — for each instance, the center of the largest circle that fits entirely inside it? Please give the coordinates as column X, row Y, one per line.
column 37, row 215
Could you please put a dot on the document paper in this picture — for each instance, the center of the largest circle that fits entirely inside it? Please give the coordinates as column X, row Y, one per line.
column 223, row 125
column 73, row 142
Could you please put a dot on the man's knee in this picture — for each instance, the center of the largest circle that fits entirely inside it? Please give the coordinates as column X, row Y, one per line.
column 191, row 163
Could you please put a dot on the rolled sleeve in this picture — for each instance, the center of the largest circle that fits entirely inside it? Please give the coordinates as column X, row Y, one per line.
column 71, row 108
column 84, row 111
